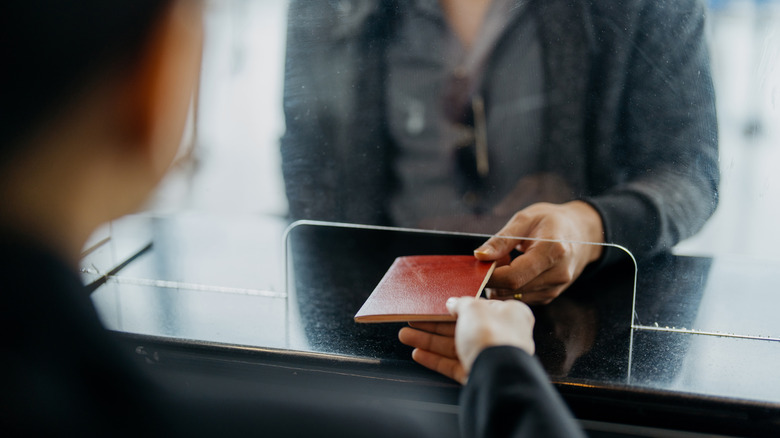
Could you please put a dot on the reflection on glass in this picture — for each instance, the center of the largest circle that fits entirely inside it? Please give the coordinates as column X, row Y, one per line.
column 407, row 114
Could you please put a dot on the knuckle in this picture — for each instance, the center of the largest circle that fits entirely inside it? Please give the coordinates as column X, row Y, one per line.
column 557, row 250
column 516, row 283
column 529, row 315
column 521, row 216
column 539, row 206
column 566, row 276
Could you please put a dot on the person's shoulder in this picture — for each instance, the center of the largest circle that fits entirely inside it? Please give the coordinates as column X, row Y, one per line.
column 629, row 10
column 659, row 19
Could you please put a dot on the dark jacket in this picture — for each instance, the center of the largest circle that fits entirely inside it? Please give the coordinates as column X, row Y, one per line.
column 64, row 375
column 629, row 83
column 508, row 396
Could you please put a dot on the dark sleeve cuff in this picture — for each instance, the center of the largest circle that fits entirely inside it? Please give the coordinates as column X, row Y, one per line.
column 509, row 394
column 630, row 222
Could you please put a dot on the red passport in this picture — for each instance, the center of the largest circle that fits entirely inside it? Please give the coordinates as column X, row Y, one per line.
column 416, row 288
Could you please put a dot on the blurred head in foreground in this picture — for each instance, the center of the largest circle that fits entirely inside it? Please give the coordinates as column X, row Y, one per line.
column 93, row 104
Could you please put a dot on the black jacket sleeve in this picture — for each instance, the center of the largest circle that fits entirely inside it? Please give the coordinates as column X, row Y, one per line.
column 509, row 395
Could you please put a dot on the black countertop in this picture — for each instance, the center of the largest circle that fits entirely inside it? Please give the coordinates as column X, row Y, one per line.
column 692, row 347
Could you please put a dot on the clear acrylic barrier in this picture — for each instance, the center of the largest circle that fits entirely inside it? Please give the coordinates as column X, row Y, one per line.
column 332, row 268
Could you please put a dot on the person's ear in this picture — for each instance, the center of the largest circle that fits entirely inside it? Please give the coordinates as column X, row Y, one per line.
column 161, row 85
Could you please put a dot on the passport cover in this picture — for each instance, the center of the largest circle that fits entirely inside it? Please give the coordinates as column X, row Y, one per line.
column 416, row 288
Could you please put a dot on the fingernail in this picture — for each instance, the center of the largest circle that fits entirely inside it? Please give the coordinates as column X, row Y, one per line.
column 484, row 250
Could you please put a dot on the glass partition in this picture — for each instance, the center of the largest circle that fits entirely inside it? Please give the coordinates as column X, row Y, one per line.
column 652, row 134
column 332, row 268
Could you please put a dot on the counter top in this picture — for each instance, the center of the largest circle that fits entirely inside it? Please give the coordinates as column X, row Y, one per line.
column 673, row 342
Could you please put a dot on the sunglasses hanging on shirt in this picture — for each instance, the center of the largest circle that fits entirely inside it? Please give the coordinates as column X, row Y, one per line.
column 465, row 107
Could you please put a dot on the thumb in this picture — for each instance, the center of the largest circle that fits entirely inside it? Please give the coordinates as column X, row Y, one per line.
column 504, row 241
column 495, row 248
column 452, row 305
column 456, row 305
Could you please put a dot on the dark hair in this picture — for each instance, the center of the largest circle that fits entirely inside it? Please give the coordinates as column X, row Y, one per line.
column 52, row 49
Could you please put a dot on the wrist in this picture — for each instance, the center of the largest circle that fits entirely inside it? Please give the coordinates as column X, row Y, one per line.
column 589, row 220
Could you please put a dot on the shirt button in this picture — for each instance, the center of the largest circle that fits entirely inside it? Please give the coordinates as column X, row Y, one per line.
column 471, row 198
column 415, row 120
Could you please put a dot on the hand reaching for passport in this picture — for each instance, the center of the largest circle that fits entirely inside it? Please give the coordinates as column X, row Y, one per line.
column 451, row 348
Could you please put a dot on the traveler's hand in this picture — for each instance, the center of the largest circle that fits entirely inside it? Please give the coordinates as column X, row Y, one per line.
column 545, row 267
column 452, row 348
column 434, row 347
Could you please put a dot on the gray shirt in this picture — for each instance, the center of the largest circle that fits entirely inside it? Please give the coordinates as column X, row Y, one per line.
column 423, row 55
